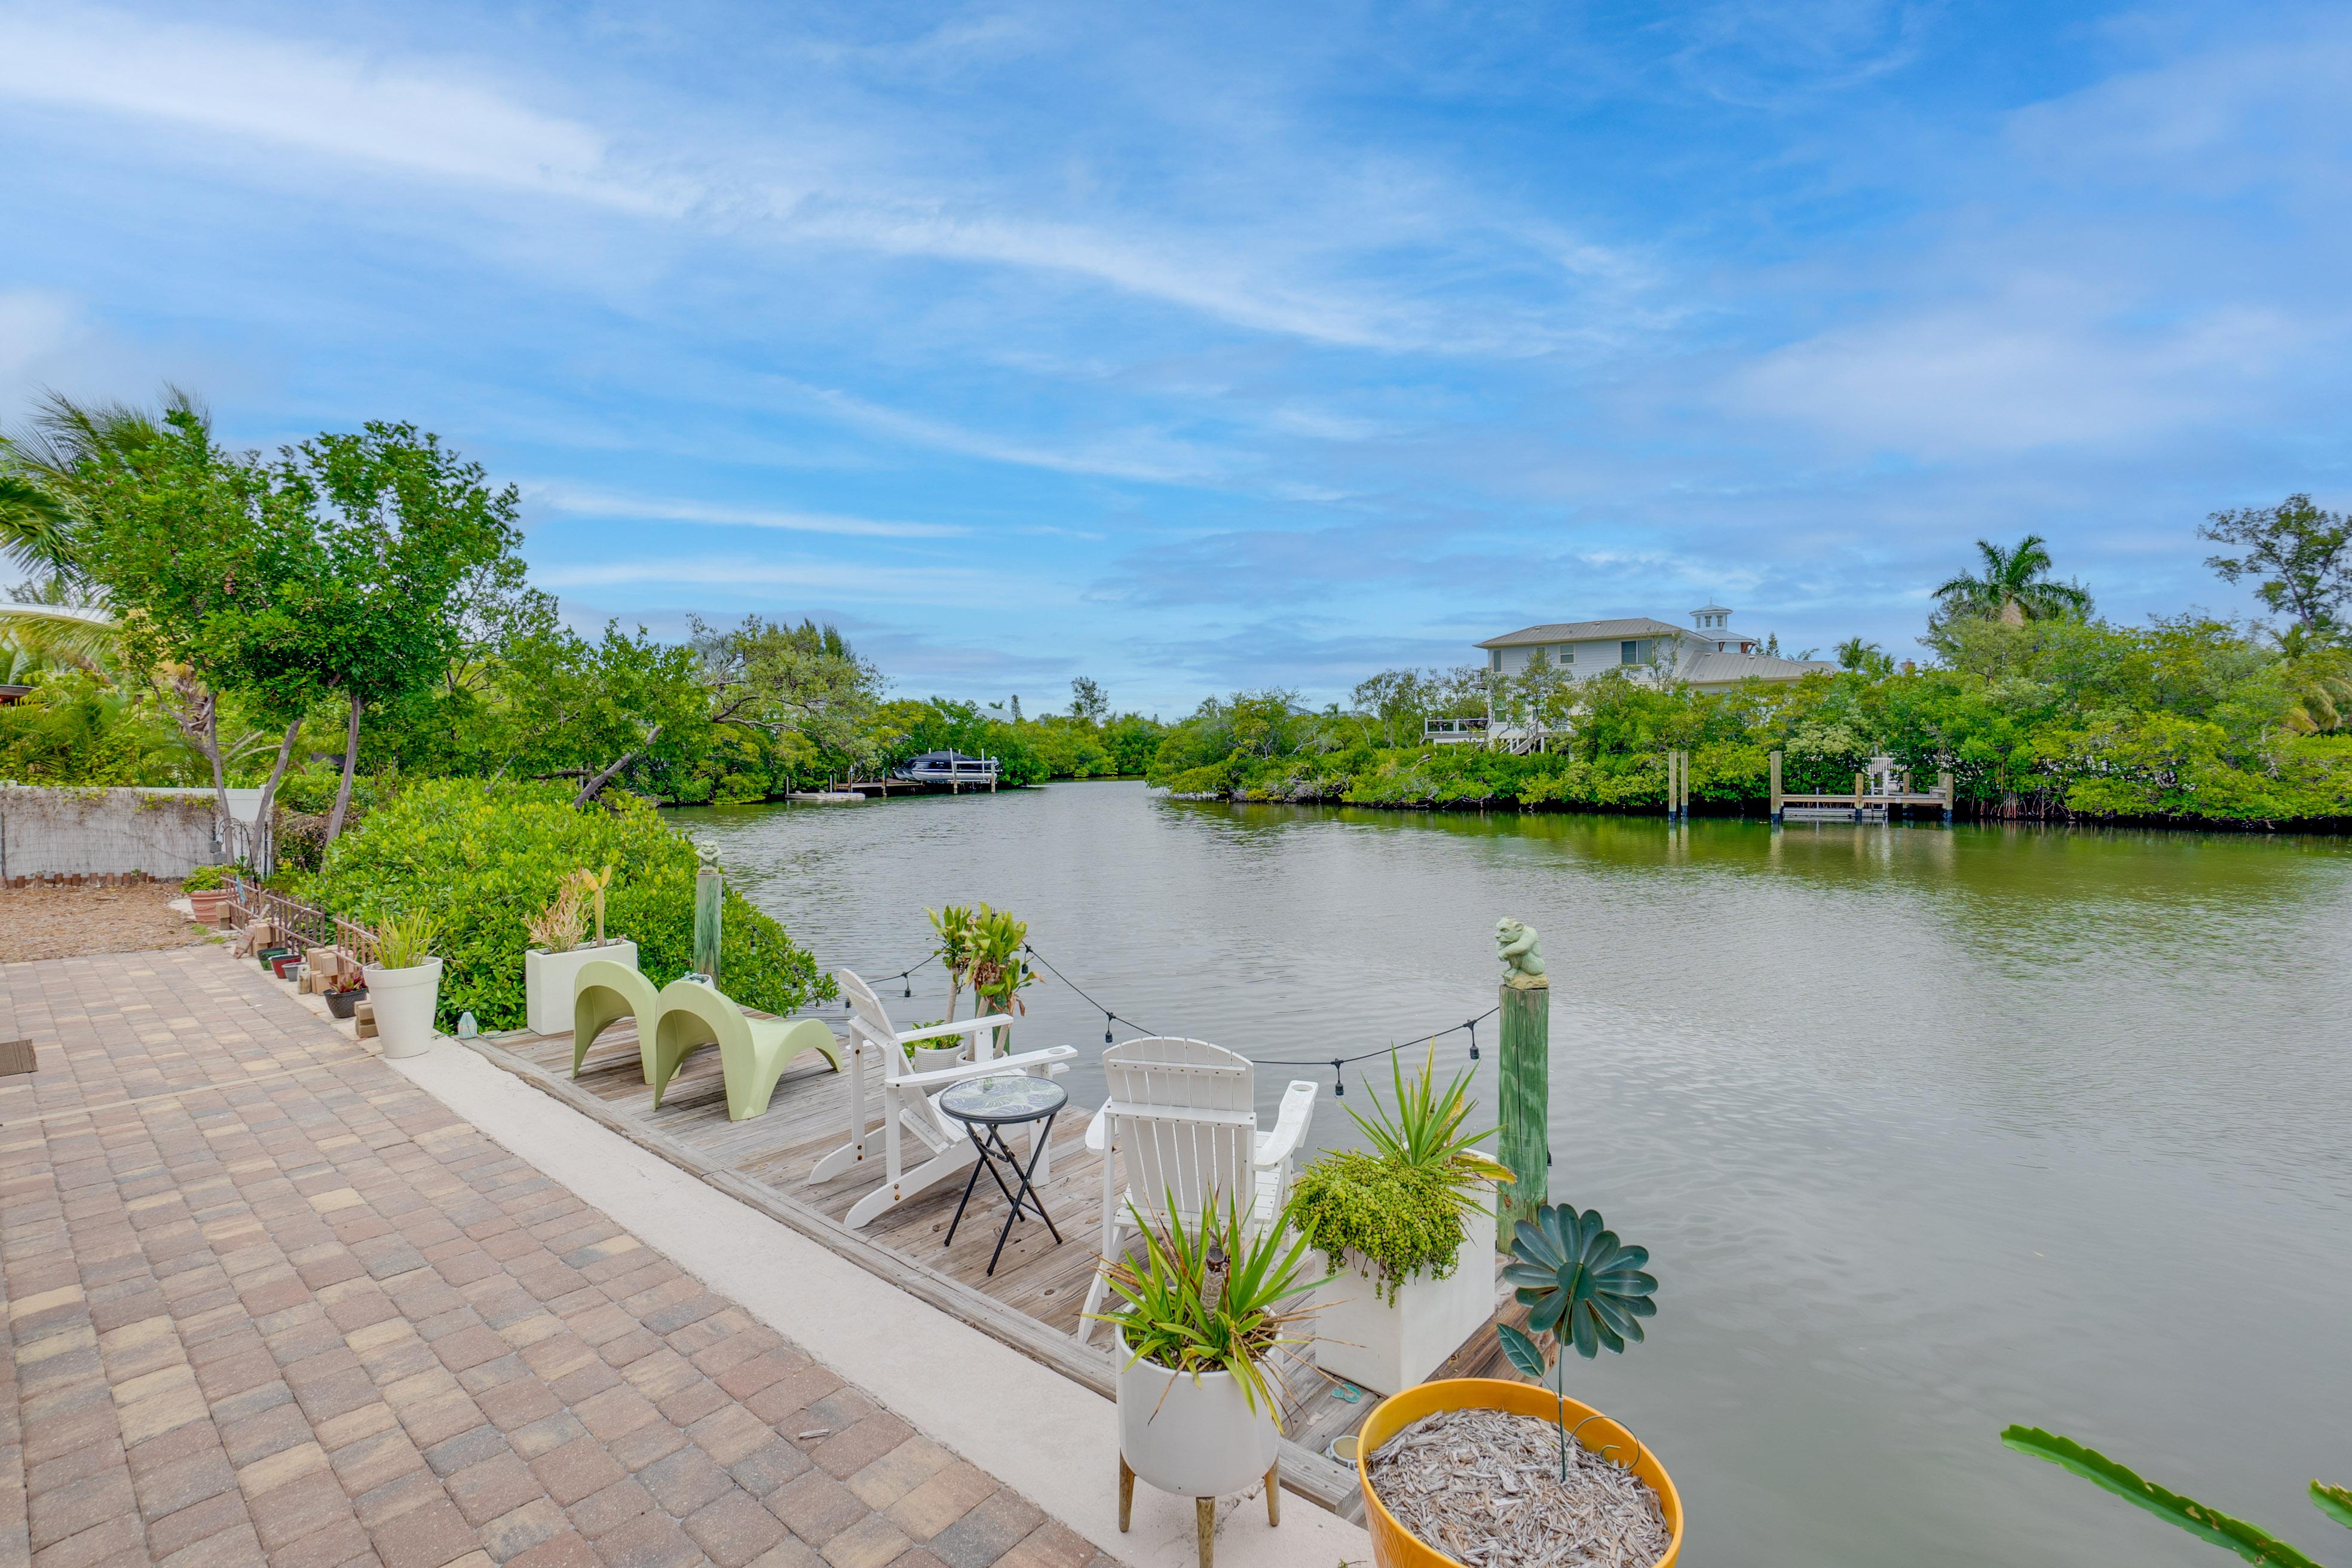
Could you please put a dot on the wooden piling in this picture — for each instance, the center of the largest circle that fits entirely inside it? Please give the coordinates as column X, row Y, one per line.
column 708, row 885
column 1776, row 789
column 1944, row 788
column 1525, row 1079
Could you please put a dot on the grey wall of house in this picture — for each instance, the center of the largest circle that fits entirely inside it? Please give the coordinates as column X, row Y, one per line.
column 94, row 832
column 1590, row 658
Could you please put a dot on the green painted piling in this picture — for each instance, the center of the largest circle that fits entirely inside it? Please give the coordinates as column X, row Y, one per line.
column 1524, row 1073
column 707, row 884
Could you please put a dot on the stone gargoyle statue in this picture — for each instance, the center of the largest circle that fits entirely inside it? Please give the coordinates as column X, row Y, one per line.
column 1516, row 947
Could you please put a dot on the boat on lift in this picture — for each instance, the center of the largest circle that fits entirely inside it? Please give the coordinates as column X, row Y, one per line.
column 953, row 768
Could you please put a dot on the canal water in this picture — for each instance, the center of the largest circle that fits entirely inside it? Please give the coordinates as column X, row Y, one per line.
column 1928, row 1130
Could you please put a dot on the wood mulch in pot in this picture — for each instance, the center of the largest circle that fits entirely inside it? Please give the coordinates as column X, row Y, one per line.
column 1484, row 1486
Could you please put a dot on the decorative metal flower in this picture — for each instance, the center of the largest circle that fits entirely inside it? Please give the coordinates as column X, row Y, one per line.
column 1583, row 1285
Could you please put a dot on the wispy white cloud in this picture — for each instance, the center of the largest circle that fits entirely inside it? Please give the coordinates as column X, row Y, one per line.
column 1286, row 273
column 973, row 589
column 1132, row 455
column 580, row 501
column 332, row 103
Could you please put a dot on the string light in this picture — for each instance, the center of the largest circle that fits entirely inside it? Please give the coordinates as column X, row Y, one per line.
column 1338, row 1064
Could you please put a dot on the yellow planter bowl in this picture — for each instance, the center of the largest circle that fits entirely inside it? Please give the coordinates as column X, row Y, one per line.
column 1395, row 1546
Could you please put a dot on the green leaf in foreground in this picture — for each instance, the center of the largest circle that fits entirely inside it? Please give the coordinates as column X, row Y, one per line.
column 1522, row 1351
column 2336, row 1502
column 2220, row 1529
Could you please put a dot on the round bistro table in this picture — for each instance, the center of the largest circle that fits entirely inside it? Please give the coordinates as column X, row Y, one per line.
column 987, row 1106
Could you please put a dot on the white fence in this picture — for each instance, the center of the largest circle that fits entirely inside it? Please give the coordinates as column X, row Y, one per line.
column 107, row 832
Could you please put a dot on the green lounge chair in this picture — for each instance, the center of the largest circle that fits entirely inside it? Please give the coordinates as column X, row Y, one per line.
column 603, row 993
column 752, row 1052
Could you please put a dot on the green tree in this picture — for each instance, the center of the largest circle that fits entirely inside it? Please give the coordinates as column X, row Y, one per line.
column 209, row 571
column 2300, row 556
column 1866, row 658
column 404, row 539
column 783, row 679
column 1396, row 701
column 2015, row 586
column 1087, row 702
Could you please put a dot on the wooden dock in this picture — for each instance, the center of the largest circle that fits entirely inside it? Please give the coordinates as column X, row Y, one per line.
column 1032, row 1301
column 1886, row 795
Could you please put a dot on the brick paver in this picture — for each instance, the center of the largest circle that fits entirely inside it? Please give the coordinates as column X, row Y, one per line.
column 266, row 1302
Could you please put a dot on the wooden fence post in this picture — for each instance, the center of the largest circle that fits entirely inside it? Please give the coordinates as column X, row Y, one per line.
column 708, row 886
column 1525, row 1077
column 1776, row 789
column 1944, row 788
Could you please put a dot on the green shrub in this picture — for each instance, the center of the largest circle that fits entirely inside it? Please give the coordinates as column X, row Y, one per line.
column 482, row 860
column 1404, row 1219
column 204, row 879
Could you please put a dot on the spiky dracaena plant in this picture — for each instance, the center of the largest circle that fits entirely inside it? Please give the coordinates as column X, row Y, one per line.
column 1583, row 1287
column 2255, row 1545
column 1208, row 1295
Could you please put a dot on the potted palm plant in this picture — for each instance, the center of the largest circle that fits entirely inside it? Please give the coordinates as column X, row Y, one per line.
column 1410, row 1244
column 560, row 945
column 1202, row 1314
column 1559, row 1481
column 404, row 984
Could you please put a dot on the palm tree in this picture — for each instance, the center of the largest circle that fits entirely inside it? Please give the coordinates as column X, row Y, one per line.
column 2015, row 586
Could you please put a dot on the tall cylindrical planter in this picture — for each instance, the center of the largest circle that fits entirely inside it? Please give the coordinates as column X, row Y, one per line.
column 403, row 1001
column 1195, row 1439
column 1524, row 1073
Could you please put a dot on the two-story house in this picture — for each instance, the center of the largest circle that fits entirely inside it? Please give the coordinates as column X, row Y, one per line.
column 1708, row 654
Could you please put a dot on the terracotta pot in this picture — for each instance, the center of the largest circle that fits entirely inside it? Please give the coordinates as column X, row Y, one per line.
column 1395, row 1546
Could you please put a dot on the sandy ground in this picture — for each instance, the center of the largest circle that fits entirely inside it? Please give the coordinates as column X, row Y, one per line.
column 65, row 922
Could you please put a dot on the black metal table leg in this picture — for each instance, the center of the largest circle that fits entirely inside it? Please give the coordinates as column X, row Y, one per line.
column 1028, row 1191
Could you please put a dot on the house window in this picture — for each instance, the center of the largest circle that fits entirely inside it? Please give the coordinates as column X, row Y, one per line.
column 1566, row 653
column 1495, row 659
column 1634, row 651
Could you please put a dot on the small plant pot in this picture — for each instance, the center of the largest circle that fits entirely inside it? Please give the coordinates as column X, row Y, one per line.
column 1196, row 1439
column 285, row 964
column 344, row 1003
column 404, row 1001
column 934, row 1059
column 549, row 980
column 1395, row 1546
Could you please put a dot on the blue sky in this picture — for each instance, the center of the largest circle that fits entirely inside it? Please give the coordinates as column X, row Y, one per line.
column 1208, row 346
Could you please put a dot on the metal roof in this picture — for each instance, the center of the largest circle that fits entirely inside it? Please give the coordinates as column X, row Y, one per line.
column 1710, row 669
column 1588, row 631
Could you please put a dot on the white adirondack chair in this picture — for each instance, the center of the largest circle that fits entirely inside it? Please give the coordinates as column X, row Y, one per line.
column 909, row 1101
column 1181, row 1124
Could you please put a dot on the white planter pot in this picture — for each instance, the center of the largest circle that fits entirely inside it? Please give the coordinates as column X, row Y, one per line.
column 1200, row 1439
column 1386, row 1348
column 931, row 1058
column 547, row 980
column 403, row 1000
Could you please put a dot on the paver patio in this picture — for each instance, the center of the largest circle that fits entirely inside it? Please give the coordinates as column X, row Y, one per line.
column 268, row 1302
